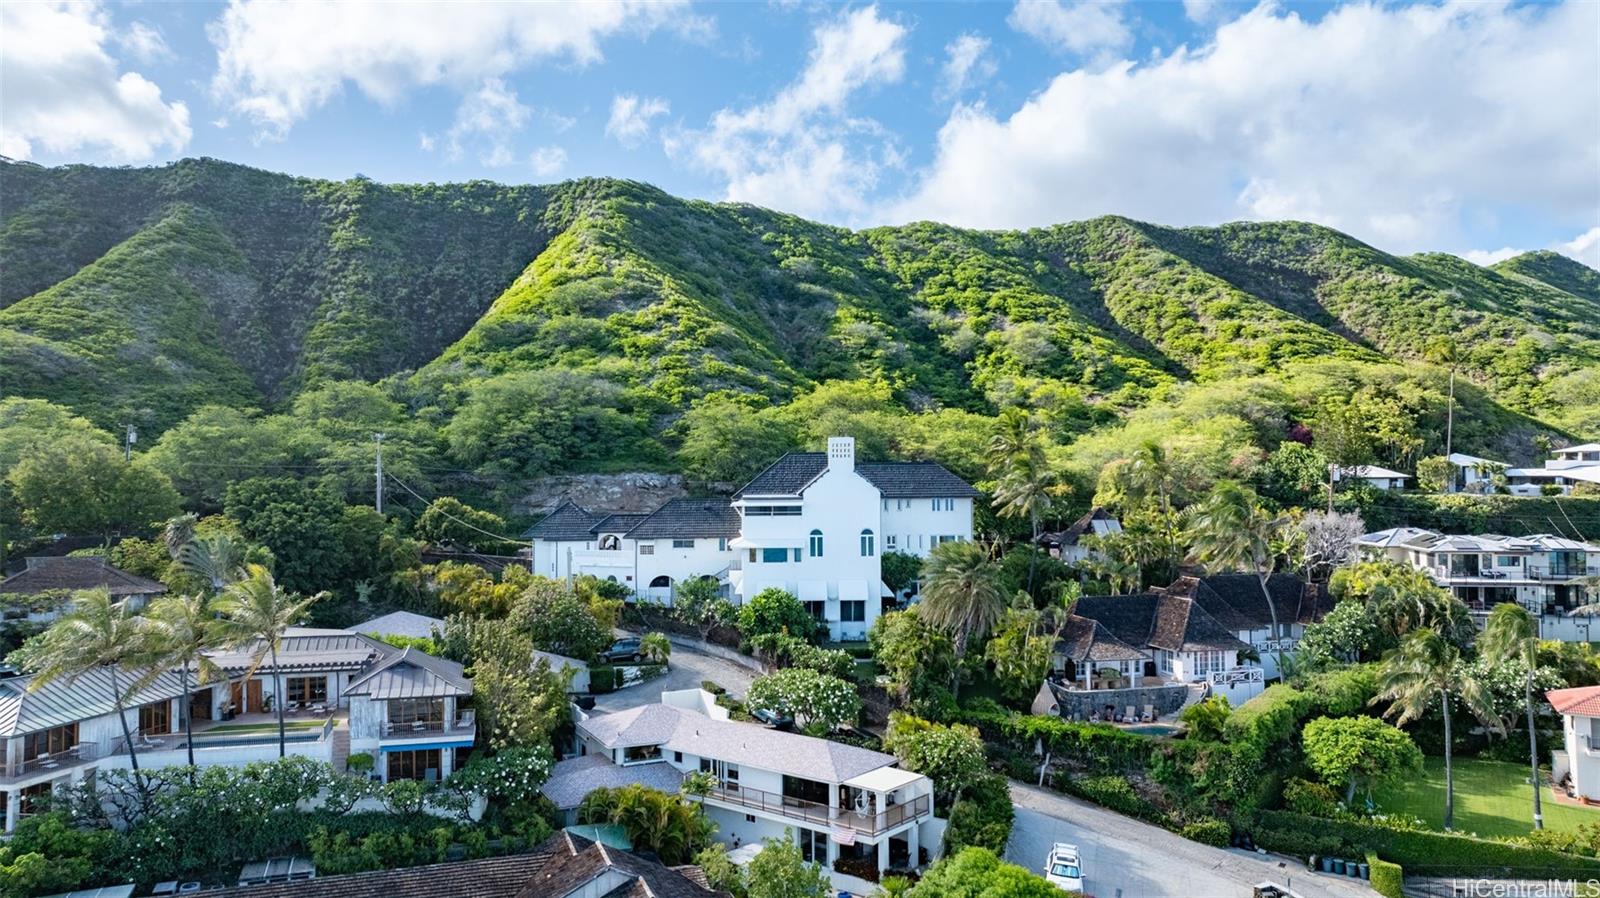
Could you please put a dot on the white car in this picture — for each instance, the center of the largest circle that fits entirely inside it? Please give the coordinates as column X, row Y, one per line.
column 1063, row 869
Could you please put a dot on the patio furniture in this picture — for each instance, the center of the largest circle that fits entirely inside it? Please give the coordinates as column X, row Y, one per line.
column 47, row 762
column 319, row 708
column 1149, row 714
column 418, row 726
column 170, row 887
column 466, row 719
column 1131, row 715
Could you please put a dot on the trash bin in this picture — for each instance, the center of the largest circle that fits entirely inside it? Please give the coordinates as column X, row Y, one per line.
column 1366, row 871
column 1338, row 866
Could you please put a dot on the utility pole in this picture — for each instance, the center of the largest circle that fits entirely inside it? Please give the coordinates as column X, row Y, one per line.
column 127, row 443
column 379, row 473
column 1331, row 469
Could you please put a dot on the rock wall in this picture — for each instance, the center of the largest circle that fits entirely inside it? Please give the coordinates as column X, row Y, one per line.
column 1075, row 704
column 631, row 492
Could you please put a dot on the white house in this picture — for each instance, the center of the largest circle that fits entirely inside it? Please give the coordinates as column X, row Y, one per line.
column 1537, row 571
column 407, row 712
column 47, row 576
column 1373, row 475
column 814, row 524
column 850, row 809
column 1069, row 546
column 1236, row 602
column 1577, row 763
column 1566, row 469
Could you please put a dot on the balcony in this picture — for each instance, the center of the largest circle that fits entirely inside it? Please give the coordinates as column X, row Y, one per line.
column 819, row 814
column 464, row 729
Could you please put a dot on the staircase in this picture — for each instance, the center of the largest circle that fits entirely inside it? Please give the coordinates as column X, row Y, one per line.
column 341, row 747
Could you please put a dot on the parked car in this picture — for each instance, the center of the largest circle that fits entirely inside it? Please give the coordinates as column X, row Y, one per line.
column 625, row 649
column 773, row 718
column 1063, row 869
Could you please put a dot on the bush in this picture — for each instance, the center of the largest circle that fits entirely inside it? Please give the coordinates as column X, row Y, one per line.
column 713, row 687
column 604, row 678
column 1420, row 851
column 1343, row 691
column 982, row 817
column 1388, row 879
column 775, row 611
column 1208, row 831
column 1269, row 718
column 1314, row 799
column 1114, row 792
column 1298, row 843
column 359, row 762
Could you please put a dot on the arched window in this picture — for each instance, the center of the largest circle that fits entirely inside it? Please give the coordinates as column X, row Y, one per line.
column 660, row 582
column 867, row 546
column 816, row 544
column 610, row 541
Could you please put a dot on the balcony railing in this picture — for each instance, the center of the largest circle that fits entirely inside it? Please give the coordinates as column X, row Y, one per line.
column 821, row 814
column 463, row 727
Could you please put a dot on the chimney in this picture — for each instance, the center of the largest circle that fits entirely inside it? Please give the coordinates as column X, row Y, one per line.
column 841, row 453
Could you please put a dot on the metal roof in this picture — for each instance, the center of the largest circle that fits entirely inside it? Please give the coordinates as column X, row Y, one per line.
column 411, row 674
column 400, row 623
column 66, row 700
column 310, row 650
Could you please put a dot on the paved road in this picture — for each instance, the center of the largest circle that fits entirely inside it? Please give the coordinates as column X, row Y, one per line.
column 685, row 670
column 1126, row 858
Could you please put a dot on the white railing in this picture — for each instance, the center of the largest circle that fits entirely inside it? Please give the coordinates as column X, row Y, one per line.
column 1237, row 675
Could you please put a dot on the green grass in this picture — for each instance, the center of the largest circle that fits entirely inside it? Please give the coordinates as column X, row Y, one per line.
column 1492, row 799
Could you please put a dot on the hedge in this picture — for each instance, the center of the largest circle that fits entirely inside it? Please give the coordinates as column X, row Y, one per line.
column 1421, row 852
column 1101, row 747
column 1388, row 879
column 1209, row 831
column 1269, row 718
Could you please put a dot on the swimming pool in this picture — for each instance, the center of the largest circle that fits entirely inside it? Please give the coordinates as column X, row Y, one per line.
column 1155, row 729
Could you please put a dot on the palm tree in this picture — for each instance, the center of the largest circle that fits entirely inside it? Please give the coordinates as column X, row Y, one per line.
column 217, row 559
column 1149, row 474
column 1513, row 633
column 256, row 612
column 1024, row 484
column 1442, row 351
column 961, row 592
column 98, row 635
column 1230, row 530
column 181, row 629
column 1427, row 668
column 655, row 648
column 178, row 532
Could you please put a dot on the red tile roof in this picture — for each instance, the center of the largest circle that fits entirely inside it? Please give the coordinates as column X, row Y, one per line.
column 1581, row 701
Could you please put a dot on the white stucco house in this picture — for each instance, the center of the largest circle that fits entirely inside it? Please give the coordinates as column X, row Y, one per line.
column 1540, row 572
column 814, row 524
column 1576, row 765
column 1070, row 546
column 1565, row 469
column 849, row 809
column 1373, row 475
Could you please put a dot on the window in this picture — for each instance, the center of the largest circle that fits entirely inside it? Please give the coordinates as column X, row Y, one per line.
column 722, row 544
column 647, row 548
column 1506, row 561
column 752, row 556
column 635, row 754
column 677, row 757
column 661, row 582
column 867, row 547
column 33, row 798
column 816, row 544
column 53, row 741
column 749, row 818
column 945, row 538
column 155, row 718
column 683, row 544
column 406, row 712
column 853, row 612
column 886, row 505
column 774, row 556
column 422, row 764
column 306, row 690
column 817, row 610
column 889, row 541
column 610, row 543
column 768, row 511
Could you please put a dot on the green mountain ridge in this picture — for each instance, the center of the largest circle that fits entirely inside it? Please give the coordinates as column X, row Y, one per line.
column 143, row 294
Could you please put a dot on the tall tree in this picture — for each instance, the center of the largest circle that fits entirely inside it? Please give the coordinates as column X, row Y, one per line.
column 181, row 629
column 1025, row 487
column 961, row 593
column 1230, row 530
column 98, row 635
column 256, row 612
column 216, row 559
column 1443, row 351
column 1513, row 633
column 1150, row 475
column 85, row 487
column 1427, row 668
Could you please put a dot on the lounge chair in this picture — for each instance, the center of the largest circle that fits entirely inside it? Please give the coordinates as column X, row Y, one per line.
column 1149, row 714
column 1131, row 716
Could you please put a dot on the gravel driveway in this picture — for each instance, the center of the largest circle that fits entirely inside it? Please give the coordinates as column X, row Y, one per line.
column 1127, row 858
column 685, row 670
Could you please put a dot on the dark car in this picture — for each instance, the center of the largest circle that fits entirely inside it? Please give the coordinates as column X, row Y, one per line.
column 773, row 718
column 626, row 649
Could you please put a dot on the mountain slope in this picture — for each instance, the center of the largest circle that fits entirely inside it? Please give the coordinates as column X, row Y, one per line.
column 139, row 294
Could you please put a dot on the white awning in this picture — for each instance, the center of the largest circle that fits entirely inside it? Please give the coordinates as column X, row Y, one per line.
column 853, row 590
column 884, row 779
column 745, row 853
column 813, row 590
column 739, row 542
column 884, row 592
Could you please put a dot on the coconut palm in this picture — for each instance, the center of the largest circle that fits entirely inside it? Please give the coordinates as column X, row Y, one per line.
column 1150, row 474
column 961, row 592
column 181, row 629
column 255, row 612
column 1427, row 668
column 178, row 532
column 97, row 635
column 217, row 559
column 655, row 648
column 1443, row 351
column 1230, row 530
column 1024, row 485
column 1512, row 633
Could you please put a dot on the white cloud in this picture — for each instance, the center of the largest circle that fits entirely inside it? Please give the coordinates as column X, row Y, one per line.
column 558, row 123
column 1394, row 123
column 1202, row 10
column 144, row 43
column 631, row 115
column 1585, row 247
column 61, row 92
column 487, row 118
column 277, row 62
column 547, row 161
column 800, row 151
column 1080, row 26
column 965, row 64
column 1487, row 257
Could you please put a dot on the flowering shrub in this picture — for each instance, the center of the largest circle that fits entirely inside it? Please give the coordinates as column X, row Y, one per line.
column 817, row 700
column 513, row 776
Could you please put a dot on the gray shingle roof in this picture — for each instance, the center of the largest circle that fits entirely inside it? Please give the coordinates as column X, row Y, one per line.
column 573, row 779
column 617, row 523
column 791, row 474
column 1156, row 620
column 1235, row 600
column 50, row 574
column 688, row 518
column 63, row 701
column 411, row 674
column 1079, row 529
column 745, row 744
column 568, row 523
column 1083, row 639
column 400, row 623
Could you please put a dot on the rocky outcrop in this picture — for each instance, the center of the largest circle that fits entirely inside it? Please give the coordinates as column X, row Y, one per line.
column 630, row 492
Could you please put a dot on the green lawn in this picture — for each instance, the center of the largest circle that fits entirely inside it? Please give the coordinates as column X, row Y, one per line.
column 1492, row 799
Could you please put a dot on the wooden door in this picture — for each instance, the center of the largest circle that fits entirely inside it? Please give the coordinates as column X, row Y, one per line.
column 252, row 696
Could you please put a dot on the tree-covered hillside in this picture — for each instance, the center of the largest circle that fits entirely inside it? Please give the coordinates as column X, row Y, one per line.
column 600, row 324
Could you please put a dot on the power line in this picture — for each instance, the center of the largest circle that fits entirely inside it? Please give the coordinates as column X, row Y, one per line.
column 470, row 526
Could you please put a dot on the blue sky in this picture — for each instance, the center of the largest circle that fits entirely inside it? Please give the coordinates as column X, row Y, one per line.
column 1470, row 128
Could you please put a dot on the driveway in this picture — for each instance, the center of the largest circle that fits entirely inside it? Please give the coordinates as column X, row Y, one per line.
column 685, row 670
column 1126, row 858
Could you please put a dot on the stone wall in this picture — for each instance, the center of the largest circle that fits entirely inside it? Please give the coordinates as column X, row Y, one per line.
column 1079, row 704
column 630, row 492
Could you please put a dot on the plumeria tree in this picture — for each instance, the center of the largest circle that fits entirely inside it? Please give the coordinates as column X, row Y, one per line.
column 818, row 702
